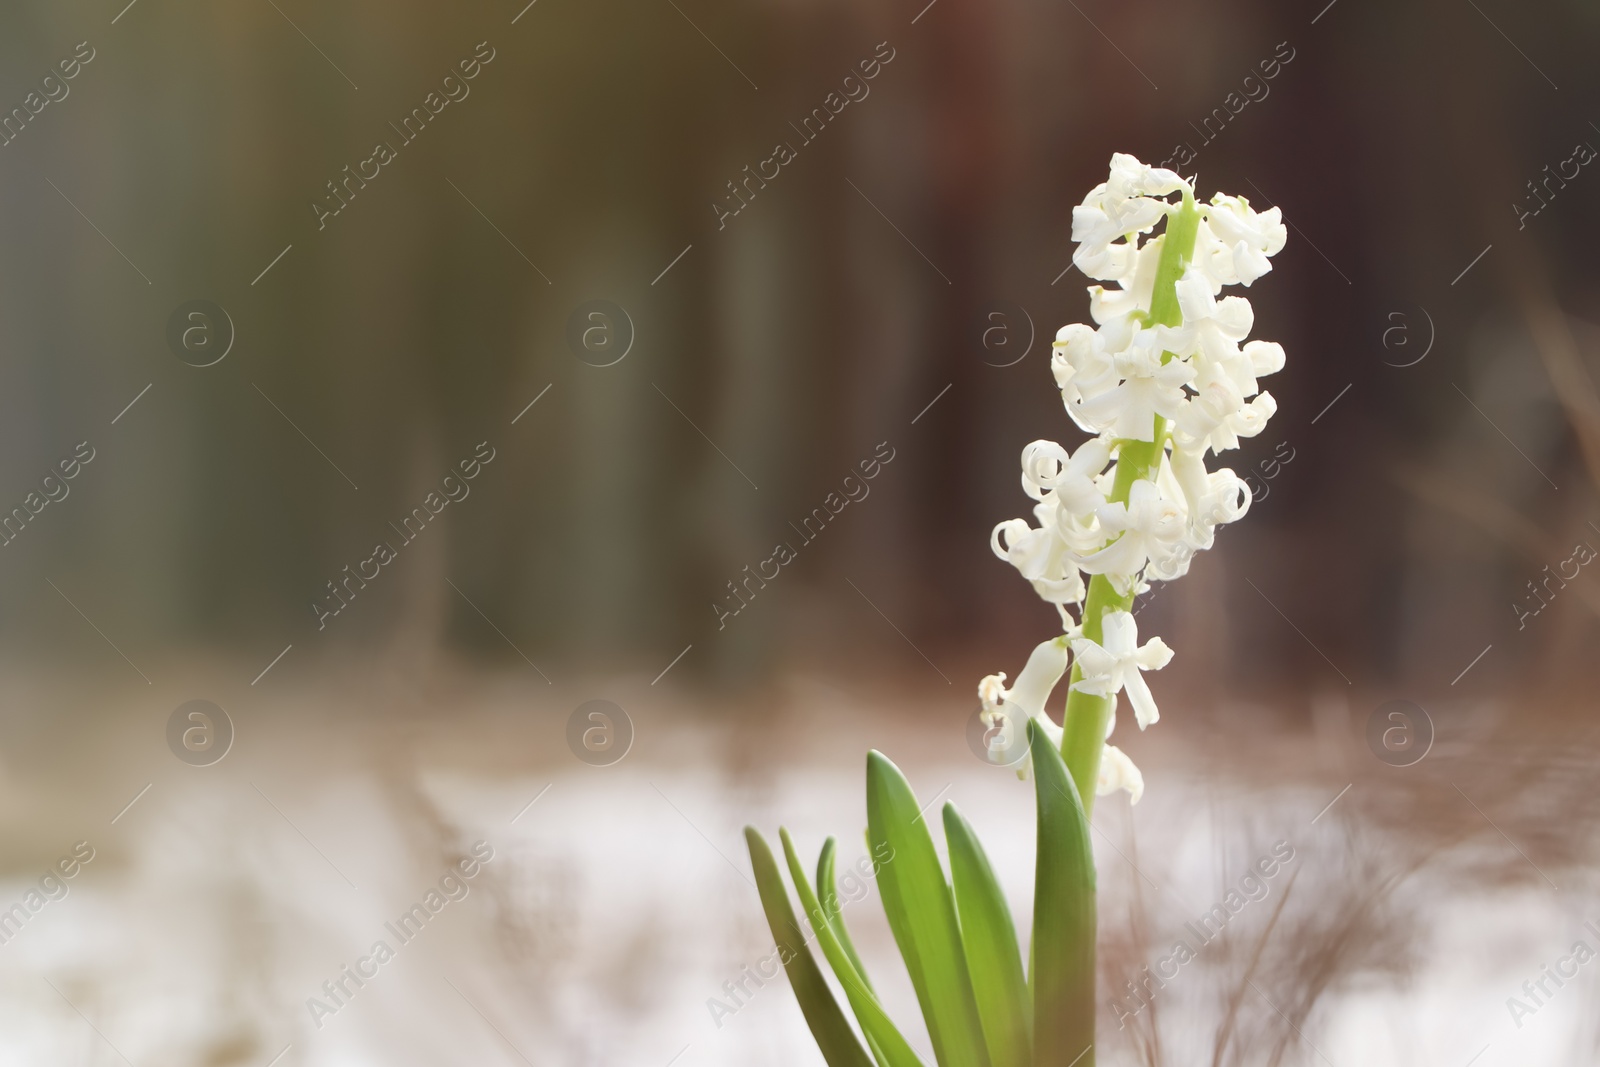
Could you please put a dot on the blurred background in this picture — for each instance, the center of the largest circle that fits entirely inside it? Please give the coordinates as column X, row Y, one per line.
column 575, row 276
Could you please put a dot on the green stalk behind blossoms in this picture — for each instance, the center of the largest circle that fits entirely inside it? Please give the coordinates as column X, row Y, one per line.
column 1084, row 729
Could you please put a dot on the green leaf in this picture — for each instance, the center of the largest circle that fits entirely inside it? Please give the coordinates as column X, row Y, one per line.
column 875, row 1022
column 823, row 1014
column 922, row 916
column 993, row 958
column 1063, row 915
column 829, row 896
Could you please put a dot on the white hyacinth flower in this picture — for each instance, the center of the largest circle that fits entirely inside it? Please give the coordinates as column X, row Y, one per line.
column 1148, row 525
column 1120, row 206
column 1006, row 711
column 1165, row 377
column 1115, row 663
column 1146, row 387
column 1249, row 236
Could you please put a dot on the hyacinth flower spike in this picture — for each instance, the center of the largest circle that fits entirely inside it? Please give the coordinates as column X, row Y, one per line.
column 1165, row 379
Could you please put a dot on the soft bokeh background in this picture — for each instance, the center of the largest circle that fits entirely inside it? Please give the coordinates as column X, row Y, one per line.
column 1438, row 406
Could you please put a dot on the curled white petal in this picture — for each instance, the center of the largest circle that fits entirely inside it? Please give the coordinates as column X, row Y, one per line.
column 992, row 691
column 1118, row 772
column 1014, row 530
column 1266, row 357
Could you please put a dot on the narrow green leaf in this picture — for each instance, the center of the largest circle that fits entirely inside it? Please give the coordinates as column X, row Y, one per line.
column 1063, row 915
column 993, row 957
column 875, row 1022
column 823, row 1014
column 922, row 916
column 829, row 895
column 830, row 900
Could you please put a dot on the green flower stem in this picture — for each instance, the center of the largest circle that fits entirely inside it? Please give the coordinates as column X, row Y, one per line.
column 1084, row 733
